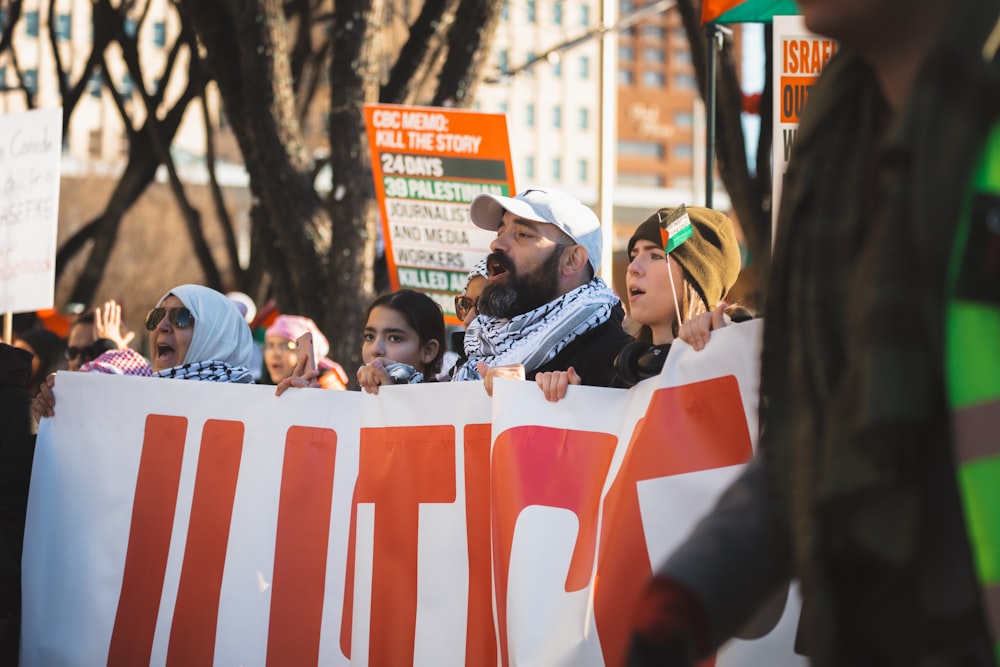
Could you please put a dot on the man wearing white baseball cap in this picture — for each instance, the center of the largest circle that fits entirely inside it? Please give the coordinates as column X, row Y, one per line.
column 544, row 307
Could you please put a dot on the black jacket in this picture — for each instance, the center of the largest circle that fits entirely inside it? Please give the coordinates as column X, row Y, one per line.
column 592, row 355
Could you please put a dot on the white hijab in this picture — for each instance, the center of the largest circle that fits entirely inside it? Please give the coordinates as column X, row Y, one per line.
column 220, row 332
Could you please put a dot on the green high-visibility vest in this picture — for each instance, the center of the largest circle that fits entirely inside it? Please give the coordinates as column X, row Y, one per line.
column 972, row 354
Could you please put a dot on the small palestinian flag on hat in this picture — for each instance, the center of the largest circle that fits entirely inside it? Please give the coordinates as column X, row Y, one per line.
column 675, row 229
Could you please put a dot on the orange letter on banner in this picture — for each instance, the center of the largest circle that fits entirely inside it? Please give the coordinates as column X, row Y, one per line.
column 537, row 465
column 480, row 636
column 699, row 426
column 400, row 468
column 196, row 614
column 299, row 580
column 148, row 540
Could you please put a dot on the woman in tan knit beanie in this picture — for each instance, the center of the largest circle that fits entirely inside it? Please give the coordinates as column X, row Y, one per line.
column 683, row 262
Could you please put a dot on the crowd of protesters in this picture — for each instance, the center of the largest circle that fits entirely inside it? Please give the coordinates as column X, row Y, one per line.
column 874, row 485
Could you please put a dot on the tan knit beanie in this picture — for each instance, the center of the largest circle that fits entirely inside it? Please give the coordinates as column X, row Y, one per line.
column 711, row 257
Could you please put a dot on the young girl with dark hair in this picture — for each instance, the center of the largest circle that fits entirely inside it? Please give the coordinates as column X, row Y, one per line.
column 403, row 341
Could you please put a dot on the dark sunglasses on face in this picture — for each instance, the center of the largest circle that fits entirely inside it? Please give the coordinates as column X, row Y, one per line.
column 88, row 353
column 463, row 304
column 179, row 317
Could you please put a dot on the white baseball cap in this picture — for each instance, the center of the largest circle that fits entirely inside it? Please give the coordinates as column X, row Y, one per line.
column 554, row 208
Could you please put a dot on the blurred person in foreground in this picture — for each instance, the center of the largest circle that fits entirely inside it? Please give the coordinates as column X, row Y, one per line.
column 17, row 446
column 874, row 484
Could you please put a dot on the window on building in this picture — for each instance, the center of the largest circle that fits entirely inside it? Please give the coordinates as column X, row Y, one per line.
column 64, row 27
column 131, row 27
column 584, row 118
column 641, row 180
column 639, row 148
column 160, row 33
column 654, row 32
column 3, row 18
column 156, row 85
column 556, row 168
column 683, row 119
column 532, row 11
column 505, row 10
column 557, row 12
column 682, row 57
column 625, row 77
column 625, row 53
column 653, row 55
column 625, row 7
column 584, row 67
column 94, row 84
column 683, row 151
column 31, row 80
column 684, row 81
column 557, row 68
column 504, row 63
column 127, row 87
column 529, row 167
column 585, row 15
column 581, row 172
column 531, row 58
column 94, row 140
column 31, row 23
column 556, row 116
column 503, row 107
column 529, row 115
column 653, row 79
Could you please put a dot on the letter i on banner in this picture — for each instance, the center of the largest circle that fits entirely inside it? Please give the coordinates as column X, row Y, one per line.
column 400, row 468
column 192, row 634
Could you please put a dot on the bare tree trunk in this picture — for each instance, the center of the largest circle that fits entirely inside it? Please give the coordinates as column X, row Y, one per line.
column 470, row 41
column 139, row 173
column 355, row 36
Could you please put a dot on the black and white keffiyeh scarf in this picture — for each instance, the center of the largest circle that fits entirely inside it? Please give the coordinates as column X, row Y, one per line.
column 208, row 371
column 536, row 337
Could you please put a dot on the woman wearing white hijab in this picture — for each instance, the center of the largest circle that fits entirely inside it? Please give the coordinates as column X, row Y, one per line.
column 195, row 333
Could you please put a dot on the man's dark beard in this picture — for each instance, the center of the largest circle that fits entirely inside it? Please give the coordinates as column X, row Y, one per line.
column 521, row 294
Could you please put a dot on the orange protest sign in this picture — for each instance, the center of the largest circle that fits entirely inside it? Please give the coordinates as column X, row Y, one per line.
column 428, row 164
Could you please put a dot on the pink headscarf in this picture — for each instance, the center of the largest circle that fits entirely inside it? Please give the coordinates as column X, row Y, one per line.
column 290, row 327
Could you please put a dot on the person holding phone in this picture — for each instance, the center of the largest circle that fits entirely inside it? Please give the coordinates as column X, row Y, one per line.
column 283, row 349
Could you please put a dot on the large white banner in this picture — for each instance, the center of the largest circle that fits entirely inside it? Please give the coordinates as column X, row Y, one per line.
column 30, row 152
column 185, row 523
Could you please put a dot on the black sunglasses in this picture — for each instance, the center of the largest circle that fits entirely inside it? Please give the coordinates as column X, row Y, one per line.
column 463, row 304
column 88, row 353
column 179, row 317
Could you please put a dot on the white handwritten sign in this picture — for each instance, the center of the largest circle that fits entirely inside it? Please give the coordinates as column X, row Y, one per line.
column 30, row 150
